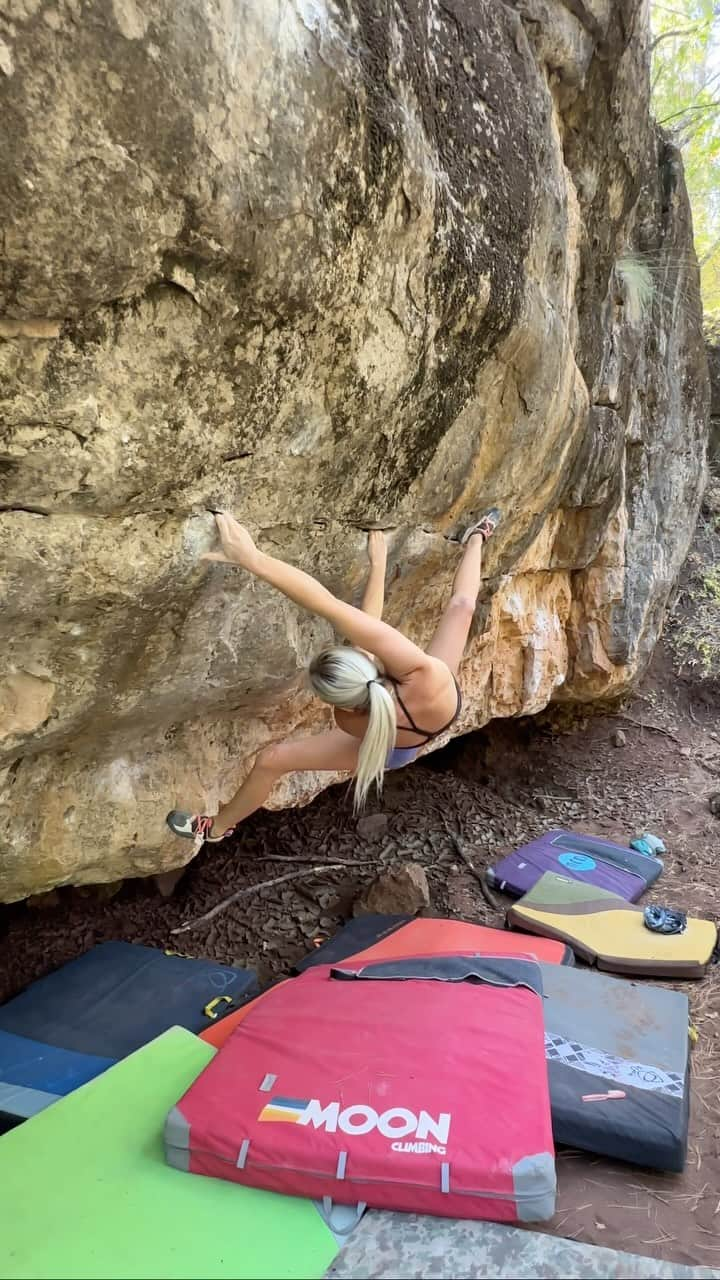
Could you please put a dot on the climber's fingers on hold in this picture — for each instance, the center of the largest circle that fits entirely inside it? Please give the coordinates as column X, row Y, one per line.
column 223, row 521
column 218, row 556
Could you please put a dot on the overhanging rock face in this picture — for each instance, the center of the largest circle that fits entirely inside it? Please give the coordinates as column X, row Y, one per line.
column 320, row 261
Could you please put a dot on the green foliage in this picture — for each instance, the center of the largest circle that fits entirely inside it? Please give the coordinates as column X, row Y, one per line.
column 686, row 100
column 711, row 585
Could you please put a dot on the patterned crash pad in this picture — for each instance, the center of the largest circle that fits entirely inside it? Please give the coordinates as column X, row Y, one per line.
column 87, row 1193
column 605, row 930
column 608, row 1035
column 394, row 1246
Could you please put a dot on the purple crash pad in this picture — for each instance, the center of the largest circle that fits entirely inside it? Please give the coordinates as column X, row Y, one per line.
column 578, row 857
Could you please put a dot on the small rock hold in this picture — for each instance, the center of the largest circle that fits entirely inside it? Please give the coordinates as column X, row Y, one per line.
column 714, row 804
column 618, row 738
column 372, row 826
column 401, row 890
column 7, row 65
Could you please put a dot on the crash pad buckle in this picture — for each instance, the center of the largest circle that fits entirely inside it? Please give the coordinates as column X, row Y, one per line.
column 210, row 1009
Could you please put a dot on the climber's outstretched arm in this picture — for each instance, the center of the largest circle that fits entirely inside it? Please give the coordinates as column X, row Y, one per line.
column 398, row 654
column 374, row 594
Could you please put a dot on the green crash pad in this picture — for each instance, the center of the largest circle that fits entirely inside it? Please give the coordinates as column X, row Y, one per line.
column 86, row 1193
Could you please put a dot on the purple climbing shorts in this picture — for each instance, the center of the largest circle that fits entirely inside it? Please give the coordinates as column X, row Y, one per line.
column 401, row 756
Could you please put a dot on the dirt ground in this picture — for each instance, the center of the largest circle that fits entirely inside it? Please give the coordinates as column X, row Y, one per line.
column 495, row 790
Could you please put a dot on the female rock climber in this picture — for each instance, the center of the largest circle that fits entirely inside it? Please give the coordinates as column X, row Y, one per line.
column 387, row 706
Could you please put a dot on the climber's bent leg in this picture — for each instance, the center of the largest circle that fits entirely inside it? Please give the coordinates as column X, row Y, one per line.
column 331, row 751
column 450, row 638
column 335, row 750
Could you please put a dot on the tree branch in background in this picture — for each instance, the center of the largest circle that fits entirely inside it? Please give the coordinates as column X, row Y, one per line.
column 707, row 106
column 677, row 34
column 663, row 8
column 708, row 254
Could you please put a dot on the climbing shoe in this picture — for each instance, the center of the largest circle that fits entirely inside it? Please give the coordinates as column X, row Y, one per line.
column 194, row 826
column 485, row 526
column 664, row 920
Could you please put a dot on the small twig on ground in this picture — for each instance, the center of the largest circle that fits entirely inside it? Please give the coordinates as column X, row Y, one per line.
column 462, row 853
column 654, row 728
column 255, row 888
column 299, row 862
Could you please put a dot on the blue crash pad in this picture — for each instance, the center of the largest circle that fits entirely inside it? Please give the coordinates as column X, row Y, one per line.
column 118, row 996
column 33, row 1075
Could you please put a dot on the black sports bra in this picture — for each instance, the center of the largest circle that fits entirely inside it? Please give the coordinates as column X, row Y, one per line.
column 426, row 734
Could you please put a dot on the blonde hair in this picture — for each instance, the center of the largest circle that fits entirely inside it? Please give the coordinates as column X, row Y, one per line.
column 348, row 678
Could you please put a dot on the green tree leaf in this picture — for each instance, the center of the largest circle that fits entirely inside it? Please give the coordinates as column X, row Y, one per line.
column 686, row 101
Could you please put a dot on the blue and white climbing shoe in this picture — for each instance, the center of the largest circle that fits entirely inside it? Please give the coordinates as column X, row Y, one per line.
column 194, row 826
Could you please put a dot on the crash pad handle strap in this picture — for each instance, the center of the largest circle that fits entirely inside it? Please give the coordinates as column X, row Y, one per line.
column 210, row 1009
column 346, row 1227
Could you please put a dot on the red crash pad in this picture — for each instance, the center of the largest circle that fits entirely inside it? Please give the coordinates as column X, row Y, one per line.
column 427, row 937
column 420, row 1089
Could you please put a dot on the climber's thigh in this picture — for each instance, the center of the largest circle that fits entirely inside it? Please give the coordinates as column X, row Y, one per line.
column 335, row 750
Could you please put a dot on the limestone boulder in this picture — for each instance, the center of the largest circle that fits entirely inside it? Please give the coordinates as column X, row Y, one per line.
column 713, row 355
column 323, row 262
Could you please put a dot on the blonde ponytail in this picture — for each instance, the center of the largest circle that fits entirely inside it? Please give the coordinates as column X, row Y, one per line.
column 348, row 678
column 377, row 744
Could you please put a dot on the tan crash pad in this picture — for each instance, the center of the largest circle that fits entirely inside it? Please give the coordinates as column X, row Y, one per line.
column 605, row 930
